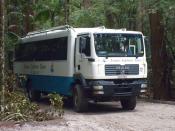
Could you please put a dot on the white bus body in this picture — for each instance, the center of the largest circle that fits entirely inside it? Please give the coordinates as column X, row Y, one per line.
column 86, row 63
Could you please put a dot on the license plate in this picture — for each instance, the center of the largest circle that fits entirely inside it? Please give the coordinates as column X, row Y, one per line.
column 122, row 76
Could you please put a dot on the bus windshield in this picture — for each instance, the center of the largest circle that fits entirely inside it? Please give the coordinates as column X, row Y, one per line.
column 118, row 45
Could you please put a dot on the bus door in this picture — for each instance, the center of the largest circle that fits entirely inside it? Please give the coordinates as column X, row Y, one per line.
column 83, row 52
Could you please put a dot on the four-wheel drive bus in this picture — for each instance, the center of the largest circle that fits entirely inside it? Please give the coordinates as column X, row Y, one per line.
column 85, row 64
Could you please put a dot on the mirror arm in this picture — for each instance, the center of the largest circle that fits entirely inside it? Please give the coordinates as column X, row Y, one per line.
column 91, row 59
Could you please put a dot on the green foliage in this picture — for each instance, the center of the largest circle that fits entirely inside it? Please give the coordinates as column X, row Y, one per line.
column 122, row 13
column 49, row 13
column 11, row 40
column 10, row 81
column 18, row 108
column 57, row 103
column 88, row 17
column 17, row 14
column 113, row 14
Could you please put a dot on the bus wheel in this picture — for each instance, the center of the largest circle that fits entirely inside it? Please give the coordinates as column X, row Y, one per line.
column 32, row 94
column 129, row 103
column 79, row 99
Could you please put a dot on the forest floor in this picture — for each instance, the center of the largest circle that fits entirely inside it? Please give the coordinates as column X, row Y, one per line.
column 106, row 116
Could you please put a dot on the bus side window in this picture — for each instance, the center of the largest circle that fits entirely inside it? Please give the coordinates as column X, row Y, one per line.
column 85, row 45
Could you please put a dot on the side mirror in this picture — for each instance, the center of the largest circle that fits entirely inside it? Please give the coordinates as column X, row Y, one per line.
column 82, row 43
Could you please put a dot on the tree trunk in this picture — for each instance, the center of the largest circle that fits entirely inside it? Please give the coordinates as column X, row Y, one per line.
column 159, row 58
column 66, row 15
column 140, row 15
column 28, row 25
column 110, row 19
column 2, row 56
column 13, row 22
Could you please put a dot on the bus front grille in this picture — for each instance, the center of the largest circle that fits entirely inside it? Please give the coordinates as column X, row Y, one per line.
column 128, row 69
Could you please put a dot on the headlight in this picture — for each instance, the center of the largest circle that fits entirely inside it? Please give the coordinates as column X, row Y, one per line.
column 143, row 85
column 98, row 92
column 98, row 87
column 143, row 88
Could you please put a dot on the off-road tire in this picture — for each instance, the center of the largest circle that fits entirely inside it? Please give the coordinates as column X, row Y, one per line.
column 33, row 95
column 80, row 102
column 129, row 103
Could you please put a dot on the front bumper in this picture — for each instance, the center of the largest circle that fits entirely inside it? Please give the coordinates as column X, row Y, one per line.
column 115, row 88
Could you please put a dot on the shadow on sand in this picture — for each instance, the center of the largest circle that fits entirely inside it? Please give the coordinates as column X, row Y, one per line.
column 93, row 108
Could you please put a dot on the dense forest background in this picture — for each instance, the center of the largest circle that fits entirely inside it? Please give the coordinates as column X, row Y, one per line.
column 155, row 18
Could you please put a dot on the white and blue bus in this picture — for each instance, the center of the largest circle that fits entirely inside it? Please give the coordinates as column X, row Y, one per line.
column 85, row 64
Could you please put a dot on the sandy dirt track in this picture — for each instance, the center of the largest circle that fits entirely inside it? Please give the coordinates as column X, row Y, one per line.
column 108, row 117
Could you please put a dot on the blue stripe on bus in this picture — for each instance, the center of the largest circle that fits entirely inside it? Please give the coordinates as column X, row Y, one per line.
column 57, row 84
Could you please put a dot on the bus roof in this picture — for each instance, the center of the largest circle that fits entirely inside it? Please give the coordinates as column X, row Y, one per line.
column 64, row 30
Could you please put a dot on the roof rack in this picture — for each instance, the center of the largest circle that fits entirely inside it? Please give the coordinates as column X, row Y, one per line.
column 51, row 29
column 123, row 29
column 100, row 27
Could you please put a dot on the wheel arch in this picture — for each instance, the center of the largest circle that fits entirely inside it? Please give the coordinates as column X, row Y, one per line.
column 79, row 79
